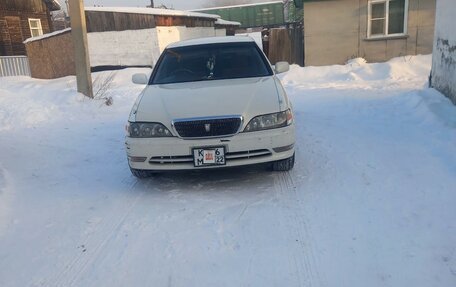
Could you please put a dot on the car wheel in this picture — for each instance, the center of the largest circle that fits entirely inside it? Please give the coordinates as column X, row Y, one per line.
column 140, row 173
column 284, row 164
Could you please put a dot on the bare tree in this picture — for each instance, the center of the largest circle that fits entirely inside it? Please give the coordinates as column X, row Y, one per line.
column 102, row 87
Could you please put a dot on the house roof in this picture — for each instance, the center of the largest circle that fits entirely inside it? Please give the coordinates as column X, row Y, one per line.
column 48, row 35
column 53, row 5
column 152, row 11
column 221, row 22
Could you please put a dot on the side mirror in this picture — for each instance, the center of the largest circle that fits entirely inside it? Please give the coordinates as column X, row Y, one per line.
column 282, row 67
column 140, row 79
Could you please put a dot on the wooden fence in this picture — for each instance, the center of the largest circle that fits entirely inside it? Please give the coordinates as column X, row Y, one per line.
column 286, row 44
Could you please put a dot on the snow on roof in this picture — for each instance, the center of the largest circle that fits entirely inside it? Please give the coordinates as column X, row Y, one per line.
column 236, row 6
column 48, row 35
column 153, row 11
column 226, row 23
column 212, row 40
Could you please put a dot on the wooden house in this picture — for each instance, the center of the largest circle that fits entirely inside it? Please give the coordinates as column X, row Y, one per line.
column 377, row 30
column 22, row 19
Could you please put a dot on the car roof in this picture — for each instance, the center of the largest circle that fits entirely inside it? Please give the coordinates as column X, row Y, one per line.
column 212, row 40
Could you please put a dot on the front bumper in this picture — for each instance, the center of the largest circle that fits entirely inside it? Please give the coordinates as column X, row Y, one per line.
column 174, row 153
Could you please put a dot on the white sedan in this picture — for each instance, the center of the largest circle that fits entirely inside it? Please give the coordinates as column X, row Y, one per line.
column 211, row 103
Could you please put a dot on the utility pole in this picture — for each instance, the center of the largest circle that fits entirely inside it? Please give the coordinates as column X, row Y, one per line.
column 81, row 52
column 152, row 4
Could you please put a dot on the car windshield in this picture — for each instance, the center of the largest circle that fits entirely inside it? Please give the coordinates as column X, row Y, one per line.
column 210, row 62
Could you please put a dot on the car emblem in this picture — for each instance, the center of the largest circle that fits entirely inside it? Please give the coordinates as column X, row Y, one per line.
column 207, row 127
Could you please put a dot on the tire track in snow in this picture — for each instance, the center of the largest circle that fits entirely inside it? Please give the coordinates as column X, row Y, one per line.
column 74, row 270
column 304, row 259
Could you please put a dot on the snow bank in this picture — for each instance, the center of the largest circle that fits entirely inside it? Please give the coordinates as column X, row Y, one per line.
column 429, row 106
column 27, row 102
column 424, row 105
column 356, row 61
column 357, row 72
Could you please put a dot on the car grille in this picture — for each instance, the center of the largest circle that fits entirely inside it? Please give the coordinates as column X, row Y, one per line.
column 248, row 154
column 207, row 127
column 230, row 156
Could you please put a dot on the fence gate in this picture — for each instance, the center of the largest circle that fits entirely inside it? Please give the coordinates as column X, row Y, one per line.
column 286, row 44
column 14, row 66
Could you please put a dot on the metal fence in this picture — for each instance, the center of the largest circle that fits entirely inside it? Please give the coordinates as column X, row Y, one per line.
column 14, row 66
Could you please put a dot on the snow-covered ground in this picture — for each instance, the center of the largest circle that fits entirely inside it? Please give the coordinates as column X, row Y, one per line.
column 370, row 202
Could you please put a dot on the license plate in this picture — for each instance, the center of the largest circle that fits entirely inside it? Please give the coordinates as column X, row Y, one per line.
column 209, row 156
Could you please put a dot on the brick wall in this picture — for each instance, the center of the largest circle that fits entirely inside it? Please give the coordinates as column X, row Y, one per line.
column 14, row 29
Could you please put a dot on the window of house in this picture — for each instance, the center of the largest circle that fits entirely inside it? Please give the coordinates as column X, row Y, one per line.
column 35, row 27
column 387, row 17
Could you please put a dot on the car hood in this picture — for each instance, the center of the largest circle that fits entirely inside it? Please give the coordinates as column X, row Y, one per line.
column 247, row 97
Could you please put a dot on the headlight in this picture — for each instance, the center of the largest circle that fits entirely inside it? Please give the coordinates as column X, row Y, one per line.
column 147, row 130
column 270, row 121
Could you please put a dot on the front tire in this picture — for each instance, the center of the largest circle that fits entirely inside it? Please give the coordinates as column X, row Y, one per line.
column 284, row 164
